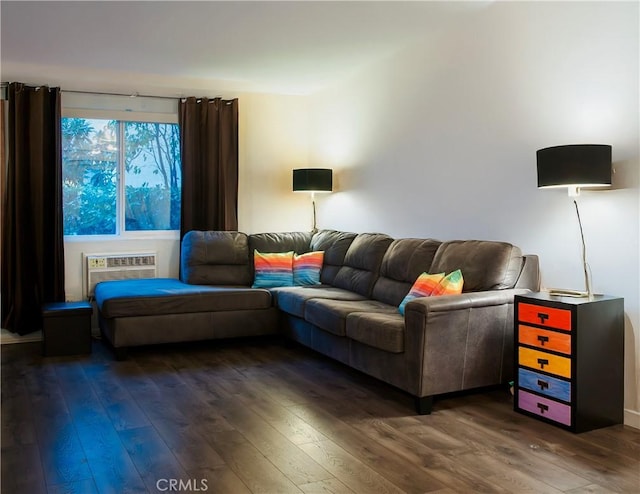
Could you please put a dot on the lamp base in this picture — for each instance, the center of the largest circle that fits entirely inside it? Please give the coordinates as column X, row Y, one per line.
column 565, row 292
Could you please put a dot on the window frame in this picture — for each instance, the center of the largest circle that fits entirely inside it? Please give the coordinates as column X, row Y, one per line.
column 122, row 116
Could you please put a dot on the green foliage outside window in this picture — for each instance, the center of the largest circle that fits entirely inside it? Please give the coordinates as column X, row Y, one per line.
column 150, row 176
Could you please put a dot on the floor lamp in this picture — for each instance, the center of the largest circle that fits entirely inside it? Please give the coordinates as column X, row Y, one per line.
column 313, row 180
column 575, row 166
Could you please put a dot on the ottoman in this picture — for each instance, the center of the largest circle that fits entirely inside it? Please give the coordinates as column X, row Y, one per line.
column 66, row 328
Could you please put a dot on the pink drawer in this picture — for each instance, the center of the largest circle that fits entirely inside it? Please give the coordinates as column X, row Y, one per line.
column 550, row 409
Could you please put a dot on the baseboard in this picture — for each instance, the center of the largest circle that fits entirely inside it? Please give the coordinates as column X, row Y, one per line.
column 632, row 418
column 7, row 337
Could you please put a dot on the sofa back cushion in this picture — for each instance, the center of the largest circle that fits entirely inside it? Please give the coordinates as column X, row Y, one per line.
column 215, row 258
column 404, row 261
column 334, row 244
column 297, row 242
column 485, row 265
column 362, row 263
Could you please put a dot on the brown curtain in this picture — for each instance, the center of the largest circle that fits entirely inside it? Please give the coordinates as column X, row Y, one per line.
column 3, row 162
column 209, row 153
column 32, row 229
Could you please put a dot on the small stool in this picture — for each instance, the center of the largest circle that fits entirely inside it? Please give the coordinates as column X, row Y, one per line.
column 66, row 328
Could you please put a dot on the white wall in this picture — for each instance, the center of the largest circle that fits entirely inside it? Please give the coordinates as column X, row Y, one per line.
column 273, row 141
column 440, row 139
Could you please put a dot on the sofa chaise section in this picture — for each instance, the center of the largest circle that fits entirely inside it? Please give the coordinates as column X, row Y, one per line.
column 213, row 300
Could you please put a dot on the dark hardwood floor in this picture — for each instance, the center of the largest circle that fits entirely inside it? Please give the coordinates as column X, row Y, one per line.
column 266, row 416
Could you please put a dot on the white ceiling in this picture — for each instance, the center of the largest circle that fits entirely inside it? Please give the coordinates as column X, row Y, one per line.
column 287, row 47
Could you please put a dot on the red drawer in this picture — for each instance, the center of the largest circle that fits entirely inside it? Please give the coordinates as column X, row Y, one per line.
column 544, row 339
column 545, row 316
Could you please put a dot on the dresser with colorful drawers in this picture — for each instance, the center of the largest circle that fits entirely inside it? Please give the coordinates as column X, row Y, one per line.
column 569, row 360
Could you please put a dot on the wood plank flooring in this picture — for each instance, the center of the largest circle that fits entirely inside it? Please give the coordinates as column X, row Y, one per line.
column 267, row 416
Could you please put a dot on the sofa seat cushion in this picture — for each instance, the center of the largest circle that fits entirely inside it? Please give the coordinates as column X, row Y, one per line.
column 331, row 315
column 156, row 296
column 377, row 329
column 292, row 300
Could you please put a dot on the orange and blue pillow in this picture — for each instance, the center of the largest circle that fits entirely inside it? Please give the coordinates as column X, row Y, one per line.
column 307, row 267
column 450, row 284
column 423, row 287
column 430, row 285
column 273, row 269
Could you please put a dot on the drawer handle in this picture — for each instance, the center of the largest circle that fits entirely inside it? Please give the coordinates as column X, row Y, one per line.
column 543, row 408
column 543, row 384
column 543, row 362
column 543, row 339
column 543, row 317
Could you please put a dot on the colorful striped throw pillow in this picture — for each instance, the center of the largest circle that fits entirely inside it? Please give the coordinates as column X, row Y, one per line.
column 431, row 285
column 423, row 287
column 307, row 267
column 450, row 284
column 273, row 269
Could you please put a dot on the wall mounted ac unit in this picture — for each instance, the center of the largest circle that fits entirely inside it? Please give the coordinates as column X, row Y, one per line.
column 117, row 266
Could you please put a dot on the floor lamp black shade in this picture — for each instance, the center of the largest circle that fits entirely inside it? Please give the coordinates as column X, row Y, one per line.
column 313, row 180
column 574, row 165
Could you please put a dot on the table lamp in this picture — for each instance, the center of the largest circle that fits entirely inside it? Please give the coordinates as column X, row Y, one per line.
column 575, row 166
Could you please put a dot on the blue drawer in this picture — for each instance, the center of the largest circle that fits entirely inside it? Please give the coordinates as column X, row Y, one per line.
column 546, row 385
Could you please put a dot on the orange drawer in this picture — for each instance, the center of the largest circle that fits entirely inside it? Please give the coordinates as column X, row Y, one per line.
column 547, row 340
column 553, row 364
column 545, row 316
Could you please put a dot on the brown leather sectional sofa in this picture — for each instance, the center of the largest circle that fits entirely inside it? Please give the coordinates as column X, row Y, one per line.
column 442, row 344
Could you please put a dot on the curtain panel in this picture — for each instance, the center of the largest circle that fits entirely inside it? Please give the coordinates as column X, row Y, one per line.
column 32, row 261
column 3, row 164
column 209, row 154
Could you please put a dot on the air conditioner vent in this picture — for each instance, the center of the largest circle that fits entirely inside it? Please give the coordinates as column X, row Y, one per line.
column 133, row 260
column 117, row 266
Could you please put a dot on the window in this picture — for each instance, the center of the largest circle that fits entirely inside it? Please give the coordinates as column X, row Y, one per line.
column 120, row 176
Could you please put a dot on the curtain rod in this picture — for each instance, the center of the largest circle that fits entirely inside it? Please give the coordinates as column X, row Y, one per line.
column 132, row 95
column 136, row 95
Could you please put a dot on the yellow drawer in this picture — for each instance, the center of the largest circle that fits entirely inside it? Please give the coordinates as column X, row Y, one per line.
column 543, row 361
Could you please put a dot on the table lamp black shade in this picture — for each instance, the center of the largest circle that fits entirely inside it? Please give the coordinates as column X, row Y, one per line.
column 313, row 180
column 574, row 165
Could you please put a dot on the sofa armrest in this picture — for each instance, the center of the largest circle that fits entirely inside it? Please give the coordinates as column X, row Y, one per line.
column 464, row 300
column 461, row 341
